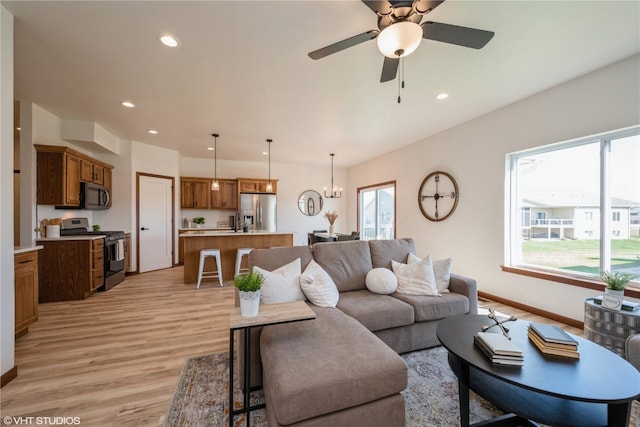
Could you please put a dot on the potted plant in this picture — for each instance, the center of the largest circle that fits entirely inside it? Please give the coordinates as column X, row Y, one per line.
column 614, row 290
column 199, row 221
column 249, row 285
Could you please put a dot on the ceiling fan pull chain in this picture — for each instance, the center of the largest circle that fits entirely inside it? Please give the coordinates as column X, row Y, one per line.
column 401, row 78
column 402, row 71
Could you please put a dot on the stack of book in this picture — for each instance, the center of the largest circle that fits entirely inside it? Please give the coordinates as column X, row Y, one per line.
column 552, row 340
column 499, row 349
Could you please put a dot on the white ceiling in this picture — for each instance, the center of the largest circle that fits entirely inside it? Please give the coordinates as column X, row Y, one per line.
column 242, row 70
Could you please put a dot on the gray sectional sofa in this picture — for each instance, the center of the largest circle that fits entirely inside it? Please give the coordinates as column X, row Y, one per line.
column 344, row 368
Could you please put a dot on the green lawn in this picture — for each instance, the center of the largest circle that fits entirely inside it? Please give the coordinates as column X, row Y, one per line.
column 582, row 255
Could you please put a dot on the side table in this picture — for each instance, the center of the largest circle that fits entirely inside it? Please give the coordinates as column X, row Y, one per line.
column 609, row 328
column 269, row 314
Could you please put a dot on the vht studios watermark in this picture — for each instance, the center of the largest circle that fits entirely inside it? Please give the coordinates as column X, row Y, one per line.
column 40, row 421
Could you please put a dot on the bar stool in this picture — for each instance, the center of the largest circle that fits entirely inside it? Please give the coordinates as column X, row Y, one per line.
column 204, row 253
column 241, row 252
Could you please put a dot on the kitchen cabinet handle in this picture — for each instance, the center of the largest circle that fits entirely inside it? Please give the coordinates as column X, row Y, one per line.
column 144, row 228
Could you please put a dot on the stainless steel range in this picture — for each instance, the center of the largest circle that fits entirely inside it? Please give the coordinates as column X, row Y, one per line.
column 113, row 249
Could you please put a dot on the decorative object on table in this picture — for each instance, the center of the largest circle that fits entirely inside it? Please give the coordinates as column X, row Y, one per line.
column 96, row 227
column 310, row 202
column 215, row 185
column 553, row 340
column 614, row 291
column 438, row 196
column 249, row 285
column 336, row 192
column 499, row 323
column 198, row 221
column 499, row 349
column 626, row 305
column 331, row 217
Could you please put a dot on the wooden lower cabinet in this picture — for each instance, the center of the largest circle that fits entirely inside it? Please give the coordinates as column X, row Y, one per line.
column 70, row 269
column 127, row 252
column 26, row 291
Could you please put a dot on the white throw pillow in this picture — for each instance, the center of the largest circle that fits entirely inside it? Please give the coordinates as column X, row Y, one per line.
column 318, row 286
column 381, row 281
column 416, row 278
column 281, row 284
column 441, row 269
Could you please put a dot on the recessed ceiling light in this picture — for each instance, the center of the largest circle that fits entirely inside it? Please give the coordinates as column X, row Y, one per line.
column 442, row 96
column 265, row 152
column 152, row 131
column 127, row 104
column 210, row 148
column 169, row 40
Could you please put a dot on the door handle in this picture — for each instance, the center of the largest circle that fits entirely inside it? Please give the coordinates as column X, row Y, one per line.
column 144, row 228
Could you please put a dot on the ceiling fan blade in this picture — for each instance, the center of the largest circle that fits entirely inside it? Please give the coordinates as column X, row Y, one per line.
column 389, row 69
column 341, row 45
column 383, row 7
column 454, row 34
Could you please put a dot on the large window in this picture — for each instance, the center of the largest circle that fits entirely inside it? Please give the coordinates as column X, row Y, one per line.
column 377, row 211
column 574, row 207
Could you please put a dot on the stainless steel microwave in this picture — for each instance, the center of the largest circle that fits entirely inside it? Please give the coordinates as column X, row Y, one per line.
column 94, row 197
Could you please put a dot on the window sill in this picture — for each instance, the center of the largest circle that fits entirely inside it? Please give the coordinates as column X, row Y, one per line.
column 566, row 279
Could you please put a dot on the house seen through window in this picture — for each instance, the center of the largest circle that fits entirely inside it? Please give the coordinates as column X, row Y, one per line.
column 377, row 212
column 574, row 207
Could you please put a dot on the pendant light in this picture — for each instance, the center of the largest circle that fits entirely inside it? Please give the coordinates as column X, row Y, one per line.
column 215, row 186
column 336, row 192
column 269, row 185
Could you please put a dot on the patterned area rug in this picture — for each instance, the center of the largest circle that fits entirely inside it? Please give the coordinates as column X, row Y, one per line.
column 431, row 398
column 202, row 394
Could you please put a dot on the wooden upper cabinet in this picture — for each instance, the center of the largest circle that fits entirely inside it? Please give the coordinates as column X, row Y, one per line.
column 227, row 196
column 195, row 193
column 247, row 185
column 60, row 171
column 92, row 172
column 72, row 181
column 58, row 180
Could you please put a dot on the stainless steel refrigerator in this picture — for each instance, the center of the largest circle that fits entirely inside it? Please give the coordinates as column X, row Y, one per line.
column 258, row 211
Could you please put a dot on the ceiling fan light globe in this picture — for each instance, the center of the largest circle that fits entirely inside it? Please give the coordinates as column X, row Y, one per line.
column 402, row 36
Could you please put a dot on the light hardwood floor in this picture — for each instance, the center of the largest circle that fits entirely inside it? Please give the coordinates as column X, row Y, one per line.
column 114, row 359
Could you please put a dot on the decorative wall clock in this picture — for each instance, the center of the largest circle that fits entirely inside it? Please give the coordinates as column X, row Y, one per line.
column 438, row 196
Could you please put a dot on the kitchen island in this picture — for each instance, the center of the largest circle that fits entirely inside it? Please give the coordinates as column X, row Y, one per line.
column 228, row 242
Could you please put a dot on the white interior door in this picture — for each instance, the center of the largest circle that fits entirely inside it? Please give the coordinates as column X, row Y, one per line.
column 155, row 223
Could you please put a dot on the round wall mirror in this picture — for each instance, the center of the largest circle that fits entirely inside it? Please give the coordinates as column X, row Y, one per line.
column 310, row 203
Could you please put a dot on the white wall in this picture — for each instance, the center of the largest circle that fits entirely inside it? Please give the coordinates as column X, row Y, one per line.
column 292, row 181
column 7, row 295
column 474, row 153
column 148, row 159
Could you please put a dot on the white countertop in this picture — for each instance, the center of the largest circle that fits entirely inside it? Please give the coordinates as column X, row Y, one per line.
column 78, row 237
column 23, row 249
column 209, row 233
column 205, row 228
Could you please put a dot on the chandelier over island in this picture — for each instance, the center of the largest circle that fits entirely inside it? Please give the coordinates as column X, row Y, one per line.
column 269, row 185
column 215, row 186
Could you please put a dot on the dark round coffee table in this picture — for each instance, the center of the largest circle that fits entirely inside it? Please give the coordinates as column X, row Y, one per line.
column 596, row 390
